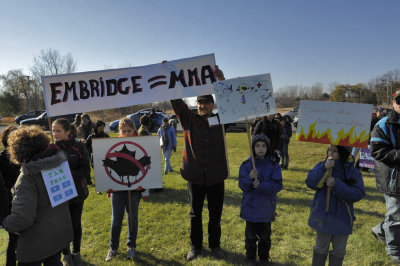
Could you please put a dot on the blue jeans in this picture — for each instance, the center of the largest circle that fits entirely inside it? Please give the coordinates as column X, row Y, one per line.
column 119, row 203
column 285, row 156
column 167, row 163
column 390, row 227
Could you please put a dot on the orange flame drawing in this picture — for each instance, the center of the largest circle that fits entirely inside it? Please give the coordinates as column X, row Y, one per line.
column 343, row 138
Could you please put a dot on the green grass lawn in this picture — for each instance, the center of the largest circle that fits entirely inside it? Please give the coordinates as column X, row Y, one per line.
column 163, row 237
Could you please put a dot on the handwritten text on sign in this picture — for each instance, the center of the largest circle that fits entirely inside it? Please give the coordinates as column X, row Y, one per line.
column 336, row 123
column 59, row 184
column 244, row 98
column 97, row 90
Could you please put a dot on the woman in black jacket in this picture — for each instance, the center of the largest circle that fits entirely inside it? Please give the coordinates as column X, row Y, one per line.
column 10, row 173
column 79, row 163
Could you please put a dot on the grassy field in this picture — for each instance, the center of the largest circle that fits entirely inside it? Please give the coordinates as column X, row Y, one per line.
column 163, row 237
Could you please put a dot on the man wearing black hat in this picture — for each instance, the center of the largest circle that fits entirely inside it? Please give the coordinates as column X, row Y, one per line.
column 204, row 166
column 385, row 148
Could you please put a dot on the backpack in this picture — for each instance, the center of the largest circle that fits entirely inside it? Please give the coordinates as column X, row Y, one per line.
column 165, row 139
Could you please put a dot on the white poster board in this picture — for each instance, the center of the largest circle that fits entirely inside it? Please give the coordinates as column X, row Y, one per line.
column 59, row 184
column 106, row 89
column 127, row 163
column 244, row 98
column 337, row 123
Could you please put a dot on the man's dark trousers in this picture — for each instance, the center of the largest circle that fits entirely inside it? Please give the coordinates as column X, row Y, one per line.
column 215, row 199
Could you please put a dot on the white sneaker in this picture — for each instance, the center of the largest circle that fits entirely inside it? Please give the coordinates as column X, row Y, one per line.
column 111, row 254
column 130, row 254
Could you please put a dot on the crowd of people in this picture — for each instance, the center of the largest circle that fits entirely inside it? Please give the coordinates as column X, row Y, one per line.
column 26, row 212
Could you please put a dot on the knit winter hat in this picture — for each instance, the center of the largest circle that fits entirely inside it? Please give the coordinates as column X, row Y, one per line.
column 260, row 137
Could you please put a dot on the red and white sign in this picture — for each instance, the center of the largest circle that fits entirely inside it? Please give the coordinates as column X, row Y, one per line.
column 127, row 163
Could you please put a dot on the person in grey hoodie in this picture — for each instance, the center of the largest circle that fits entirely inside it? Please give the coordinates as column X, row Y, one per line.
column 44, row 230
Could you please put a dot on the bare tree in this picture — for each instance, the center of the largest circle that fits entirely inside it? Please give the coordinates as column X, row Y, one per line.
column 51, row 62
column 48, row 62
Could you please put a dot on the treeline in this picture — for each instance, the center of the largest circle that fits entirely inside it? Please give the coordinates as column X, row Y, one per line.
column 378, row 91
column 20, row 92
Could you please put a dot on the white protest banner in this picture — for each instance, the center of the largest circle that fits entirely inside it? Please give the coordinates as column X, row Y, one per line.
column 244, row 98
column 337, row 123
column 98, row 90
column 59, row 184
column 127, row 163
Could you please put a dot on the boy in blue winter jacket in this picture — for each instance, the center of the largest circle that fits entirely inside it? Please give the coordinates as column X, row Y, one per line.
column 336, row 224
column 260, row 187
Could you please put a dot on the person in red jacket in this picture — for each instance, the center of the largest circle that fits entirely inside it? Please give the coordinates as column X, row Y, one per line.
column 204, row 166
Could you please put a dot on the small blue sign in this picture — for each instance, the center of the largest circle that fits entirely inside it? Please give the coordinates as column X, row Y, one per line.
column 66, row 184
column 55, row 189
column 69, row 192
column 57, row 197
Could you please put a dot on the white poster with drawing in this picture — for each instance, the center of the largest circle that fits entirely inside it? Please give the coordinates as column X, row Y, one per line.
column 59, row 184
column 337, row 123
column 244, row 98
column 127, row 163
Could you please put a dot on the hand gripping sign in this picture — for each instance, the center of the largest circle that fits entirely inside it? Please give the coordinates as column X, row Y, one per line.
column 127, row 163
column 334, row 123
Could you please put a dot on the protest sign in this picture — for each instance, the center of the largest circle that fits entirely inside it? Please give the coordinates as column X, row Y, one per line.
column 366, row 159
column 127, row 163
column 59, row 184
column 244, row 98
column 337, row 123
column 97, row 90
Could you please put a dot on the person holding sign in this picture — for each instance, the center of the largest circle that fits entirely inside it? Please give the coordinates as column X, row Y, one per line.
column 79, row 163
column 336, row 224
column 385, row 148
column 204, row 166
column 44, row 230
column 124, row 200
column 259, row 187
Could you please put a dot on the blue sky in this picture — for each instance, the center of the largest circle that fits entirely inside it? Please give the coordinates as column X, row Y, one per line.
column 298, row 42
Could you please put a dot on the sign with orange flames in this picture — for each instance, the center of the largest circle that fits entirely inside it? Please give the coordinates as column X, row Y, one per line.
column 337, row 123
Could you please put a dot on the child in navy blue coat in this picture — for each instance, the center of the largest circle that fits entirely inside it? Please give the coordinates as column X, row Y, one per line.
column 259, row 187
column 336, row 224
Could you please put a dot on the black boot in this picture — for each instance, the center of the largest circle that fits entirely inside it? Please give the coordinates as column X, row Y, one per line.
column 251, row 251
column 263, row 250
column 318, row 259
column 335, row 260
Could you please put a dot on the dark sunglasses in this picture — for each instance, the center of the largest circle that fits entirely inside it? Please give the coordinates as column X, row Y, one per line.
column 397, row 100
